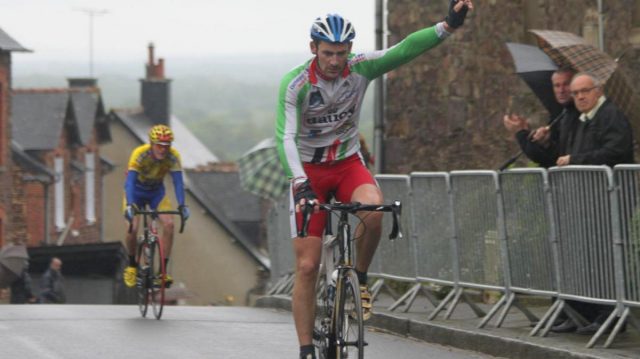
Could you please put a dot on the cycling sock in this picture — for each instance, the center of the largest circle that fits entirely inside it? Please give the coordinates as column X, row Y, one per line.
column 362, row 277
column 132, row 261
column 306, row 350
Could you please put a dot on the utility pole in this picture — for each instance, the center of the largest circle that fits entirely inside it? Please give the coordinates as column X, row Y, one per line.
column 92, row 13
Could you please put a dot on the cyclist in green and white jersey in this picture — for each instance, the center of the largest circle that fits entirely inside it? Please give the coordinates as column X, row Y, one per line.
column 317, row 137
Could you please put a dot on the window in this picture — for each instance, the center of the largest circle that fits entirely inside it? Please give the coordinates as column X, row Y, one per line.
column 89, row 179
column 58, row 168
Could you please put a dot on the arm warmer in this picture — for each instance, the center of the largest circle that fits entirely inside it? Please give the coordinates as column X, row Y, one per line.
column 178, row 185
column 129, row 185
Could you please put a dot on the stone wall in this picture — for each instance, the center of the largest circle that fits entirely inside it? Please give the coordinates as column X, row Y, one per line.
column 444, row 110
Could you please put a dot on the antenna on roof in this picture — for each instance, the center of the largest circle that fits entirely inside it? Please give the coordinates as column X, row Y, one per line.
column 92, row 13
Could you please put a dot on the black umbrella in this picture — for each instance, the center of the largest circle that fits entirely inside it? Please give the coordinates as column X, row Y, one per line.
column 536, row 68
column 13, row 258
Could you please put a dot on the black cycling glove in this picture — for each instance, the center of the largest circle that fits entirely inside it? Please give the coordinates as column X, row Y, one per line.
column 303, row 190
column 456, row 19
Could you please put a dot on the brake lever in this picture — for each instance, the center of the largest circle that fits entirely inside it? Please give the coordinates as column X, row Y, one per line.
column 396, row 230
column 182, row 222
column 135, row 211
column 307, row 209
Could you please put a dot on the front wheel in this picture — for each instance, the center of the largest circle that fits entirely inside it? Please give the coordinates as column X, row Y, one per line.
column 143, row 284
column 323, row 337
column 158, row 276
column 348, row 321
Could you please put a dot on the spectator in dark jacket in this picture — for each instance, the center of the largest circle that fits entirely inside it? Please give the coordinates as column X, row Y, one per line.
column 52, row 283
column 601, row 135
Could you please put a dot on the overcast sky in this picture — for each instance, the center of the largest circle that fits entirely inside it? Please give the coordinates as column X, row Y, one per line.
column 58, row 30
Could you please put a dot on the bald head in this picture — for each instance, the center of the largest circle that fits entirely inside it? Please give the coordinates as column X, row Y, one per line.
column 56, row 264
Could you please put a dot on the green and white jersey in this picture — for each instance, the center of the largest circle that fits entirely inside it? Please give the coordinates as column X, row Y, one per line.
column 317, row 119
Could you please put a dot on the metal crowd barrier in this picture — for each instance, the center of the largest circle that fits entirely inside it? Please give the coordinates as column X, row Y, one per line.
column 432, row 231
column 474, row 211
column 528, row 230
column 280, row 247
column 571, row 233
column 627, row 179
column 396, row 258
column 582, row 198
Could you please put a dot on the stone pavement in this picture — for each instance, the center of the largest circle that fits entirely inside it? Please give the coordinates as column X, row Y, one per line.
column 511, row 340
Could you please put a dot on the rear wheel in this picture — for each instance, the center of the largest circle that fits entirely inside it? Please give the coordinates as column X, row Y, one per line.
column 142, row 278
column 158, row 276
column 349, row 325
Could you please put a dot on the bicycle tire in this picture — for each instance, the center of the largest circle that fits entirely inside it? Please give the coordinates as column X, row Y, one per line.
column 348, row 321
column 158, row 276
column 142, row 278
column 323, row 337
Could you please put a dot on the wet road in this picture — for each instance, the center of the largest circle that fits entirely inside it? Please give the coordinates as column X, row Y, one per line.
column 76, row 331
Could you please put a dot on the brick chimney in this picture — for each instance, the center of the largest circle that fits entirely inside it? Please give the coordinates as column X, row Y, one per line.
column 155, row 91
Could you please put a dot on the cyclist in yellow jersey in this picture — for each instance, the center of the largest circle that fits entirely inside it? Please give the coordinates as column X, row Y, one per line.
column 148, row 165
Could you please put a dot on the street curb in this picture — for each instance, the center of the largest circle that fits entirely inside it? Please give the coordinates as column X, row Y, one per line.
column 482, row 342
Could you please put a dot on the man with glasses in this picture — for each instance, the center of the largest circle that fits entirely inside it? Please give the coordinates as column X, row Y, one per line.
column 601, row 135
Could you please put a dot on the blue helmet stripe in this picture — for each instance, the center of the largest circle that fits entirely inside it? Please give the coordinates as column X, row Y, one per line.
column 333, row 23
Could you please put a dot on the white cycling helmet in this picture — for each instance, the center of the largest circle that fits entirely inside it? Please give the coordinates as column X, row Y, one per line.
column 332, row 28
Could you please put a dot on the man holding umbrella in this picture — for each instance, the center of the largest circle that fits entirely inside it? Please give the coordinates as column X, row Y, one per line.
column 536, row 144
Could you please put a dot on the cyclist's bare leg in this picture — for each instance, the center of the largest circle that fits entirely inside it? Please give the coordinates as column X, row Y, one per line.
column 167, row 233
column 131, row 236
column 307, row 251
column 367, row 242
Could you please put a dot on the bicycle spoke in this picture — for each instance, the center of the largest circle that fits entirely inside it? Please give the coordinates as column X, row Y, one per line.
column 349, row 325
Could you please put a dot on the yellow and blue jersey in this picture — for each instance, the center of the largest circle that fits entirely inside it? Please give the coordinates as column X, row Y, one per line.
column 151, row 171
column 145, row 177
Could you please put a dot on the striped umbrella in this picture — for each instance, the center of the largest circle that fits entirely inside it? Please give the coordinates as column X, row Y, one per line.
column 569, row 50
column 261, row 172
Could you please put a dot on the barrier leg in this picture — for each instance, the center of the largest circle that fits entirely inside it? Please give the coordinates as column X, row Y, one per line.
column 375, row 289
column 477, row 310
column 429, row 295
column 603, row 328
column 510, row 302
column 492, row 312
column 544, row 319
column 442, row 304
column 559, row 309
column 618, row 327
column 406, row 298
column 527, row 313
column 454, row 303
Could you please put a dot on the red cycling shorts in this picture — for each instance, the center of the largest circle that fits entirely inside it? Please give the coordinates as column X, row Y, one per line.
column 341, row 178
